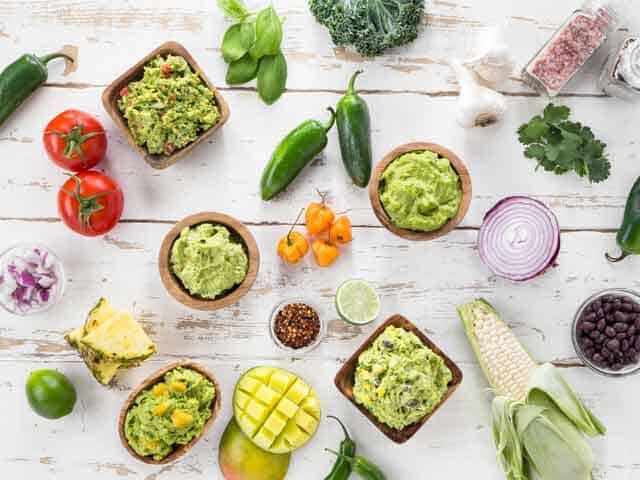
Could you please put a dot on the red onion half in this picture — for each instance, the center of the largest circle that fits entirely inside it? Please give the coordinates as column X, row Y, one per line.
column 519, row 238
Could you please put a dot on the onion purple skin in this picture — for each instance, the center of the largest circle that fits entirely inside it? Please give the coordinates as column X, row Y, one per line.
column 552, row 262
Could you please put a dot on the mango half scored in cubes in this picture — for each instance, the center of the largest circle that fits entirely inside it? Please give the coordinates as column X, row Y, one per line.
column 276, row 409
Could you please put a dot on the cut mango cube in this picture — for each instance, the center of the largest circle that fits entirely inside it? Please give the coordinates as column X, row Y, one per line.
column 276, row 409
column 159, row 390
column 181, row 419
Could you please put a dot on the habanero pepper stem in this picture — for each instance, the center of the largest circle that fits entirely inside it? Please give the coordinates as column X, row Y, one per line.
column 294, row 152
column 363, row 467
column 628, row 237
column 21, row 78
column 342, row 468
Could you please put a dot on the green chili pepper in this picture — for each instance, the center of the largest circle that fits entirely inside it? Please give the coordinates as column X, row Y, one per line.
column 629, row 233
column 354, row 130
column 20, row 79
column 363, row 467
column 294, row 153
column 342, row 468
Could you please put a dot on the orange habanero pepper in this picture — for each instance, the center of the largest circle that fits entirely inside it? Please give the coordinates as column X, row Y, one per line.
column 293, row 246
column 341, row 231
column 325, row 252
column 319, row 217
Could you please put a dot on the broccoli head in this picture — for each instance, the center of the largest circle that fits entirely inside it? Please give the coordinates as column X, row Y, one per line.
column 369, row 26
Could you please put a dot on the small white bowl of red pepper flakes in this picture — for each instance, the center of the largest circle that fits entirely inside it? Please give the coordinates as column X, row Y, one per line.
column 296, row 326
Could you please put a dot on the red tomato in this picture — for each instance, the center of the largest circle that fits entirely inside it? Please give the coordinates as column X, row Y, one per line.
column 90, row 203
column 75, row 141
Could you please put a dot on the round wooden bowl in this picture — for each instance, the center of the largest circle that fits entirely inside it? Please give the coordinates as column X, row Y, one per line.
column 174, row 285
column 149, row 382
column 458, row 166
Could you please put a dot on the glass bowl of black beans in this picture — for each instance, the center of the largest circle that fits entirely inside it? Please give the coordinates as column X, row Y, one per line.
column 606, row 332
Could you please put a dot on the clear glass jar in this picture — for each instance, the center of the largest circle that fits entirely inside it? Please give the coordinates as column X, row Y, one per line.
column 621, row 74
column 572, row 45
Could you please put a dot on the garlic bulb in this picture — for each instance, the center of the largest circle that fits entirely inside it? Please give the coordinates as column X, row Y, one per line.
column 492, row 61
column 478, row 106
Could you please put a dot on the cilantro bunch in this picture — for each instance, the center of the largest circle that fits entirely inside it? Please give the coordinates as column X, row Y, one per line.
column 251, row 48
column 561, row 146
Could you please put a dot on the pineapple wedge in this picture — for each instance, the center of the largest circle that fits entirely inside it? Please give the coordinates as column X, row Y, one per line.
column 120, row 338
column 504, row 361
column 99, row 314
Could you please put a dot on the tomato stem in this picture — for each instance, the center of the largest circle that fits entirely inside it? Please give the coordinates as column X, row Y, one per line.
column 289, row 242
column 74, row 141
column 87, row 206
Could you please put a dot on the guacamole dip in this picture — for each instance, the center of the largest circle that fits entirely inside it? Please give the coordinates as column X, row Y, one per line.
column 169, row 107
column 420, row 191
column 170, row 413
column 208, row 261
column 398, row 379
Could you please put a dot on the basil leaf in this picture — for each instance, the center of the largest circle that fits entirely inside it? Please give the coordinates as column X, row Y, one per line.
column 233, row 8
column 237, row 41
column 272, row 77
column 268, row 34
column 242, row 71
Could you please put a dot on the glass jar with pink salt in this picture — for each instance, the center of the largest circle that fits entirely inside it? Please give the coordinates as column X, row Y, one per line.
column 572, row 45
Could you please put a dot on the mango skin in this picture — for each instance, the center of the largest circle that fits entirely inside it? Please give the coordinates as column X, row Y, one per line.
column 240, row 459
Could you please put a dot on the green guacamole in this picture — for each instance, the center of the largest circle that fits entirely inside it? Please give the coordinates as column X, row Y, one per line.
column 420, row 191
column 170, row 413
column 170, row 107
column 208, row 260
column 399, row 380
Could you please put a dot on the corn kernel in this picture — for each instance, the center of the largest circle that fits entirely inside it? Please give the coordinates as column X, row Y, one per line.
column 179, row 387
column 181, row 419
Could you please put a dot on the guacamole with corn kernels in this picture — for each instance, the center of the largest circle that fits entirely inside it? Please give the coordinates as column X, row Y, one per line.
column 169, row 107
column 400, row 380
column 170, row 413
column 420, row 191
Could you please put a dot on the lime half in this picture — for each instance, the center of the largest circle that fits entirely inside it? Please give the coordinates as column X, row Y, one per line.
column 357, row 302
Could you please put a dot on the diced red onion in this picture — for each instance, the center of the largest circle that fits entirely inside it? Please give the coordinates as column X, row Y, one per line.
column 519, row 238
column 31, row 279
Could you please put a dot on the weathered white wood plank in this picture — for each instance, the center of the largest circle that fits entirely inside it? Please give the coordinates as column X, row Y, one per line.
column 224, row 174
column 102, row 27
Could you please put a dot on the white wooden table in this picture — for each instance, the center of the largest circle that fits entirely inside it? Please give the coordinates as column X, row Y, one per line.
column 412, row 97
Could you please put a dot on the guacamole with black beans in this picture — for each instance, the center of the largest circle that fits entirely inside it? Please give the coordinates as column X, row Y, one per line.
column 169, row 107
column 420, row 191
column 170, row 413
column 400, row 380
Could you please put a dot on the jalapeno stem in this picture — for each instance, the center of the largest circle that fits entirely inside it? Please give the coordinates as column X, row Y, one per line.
column 329, row 124
column 344, row 429
column 622, row 256
column 47, row 58
column 351, row 89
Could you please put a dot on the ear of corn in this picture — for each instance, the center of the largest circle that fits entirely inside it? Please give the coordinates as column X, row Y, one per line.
column 505, row 362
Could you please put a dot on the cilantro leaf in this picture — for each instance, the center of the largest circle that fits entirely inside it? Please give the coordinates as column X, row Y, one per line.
column 560, row 145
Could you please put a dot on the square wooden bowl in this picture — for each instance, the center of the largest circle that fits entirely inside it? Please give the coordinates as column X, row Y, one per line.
column 345, row 379
column 112, row 93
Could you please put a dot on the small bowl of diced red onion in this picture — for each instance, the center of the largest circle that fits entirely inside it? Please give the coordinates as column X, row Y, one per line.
column 31, row 279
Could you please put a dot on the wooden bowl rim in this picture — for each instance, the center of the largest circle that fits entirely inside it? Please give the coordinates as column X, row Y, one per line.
column 148, row 382
column 110, row 95
column 344, row 379
column 457, row 164
column 173, row 285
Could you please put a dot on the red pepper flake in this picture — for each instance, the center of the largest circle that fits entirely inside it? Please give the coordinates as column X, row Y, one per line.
column 297, row 325
column 169, row 148
column 570, row 49
column 124, row 92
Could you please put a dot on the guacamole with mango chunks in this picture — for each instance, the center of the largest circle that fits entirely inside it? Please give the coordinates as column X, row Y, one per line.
column 170, row 413
column 420, row 191
column 400, row 380
column 169, row 107
column 208, row 261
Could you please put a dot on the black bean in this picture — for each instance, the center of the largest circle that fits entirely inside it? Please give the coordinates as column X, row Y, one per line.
column 610, row 319
column 636, row 307
column 589, row 352
column 616, row 366
column 590, row 317
column 620, row 317
column 620, row 327
column 613, row 344
column 600, row 313
column 594, row 334
column 624, row 346
column 608, row 308
column 599, row 340
column 631, row 331
column 587, row 342
column 636, row 345
column 588, row 326
column 617, row 304
column 597, row 358
column 605, row 352
column 607, row 298
column 597, row 304
column 610, row 332
column 621, row 336
column 637, row 324
column 601, row 324
column 627, row 307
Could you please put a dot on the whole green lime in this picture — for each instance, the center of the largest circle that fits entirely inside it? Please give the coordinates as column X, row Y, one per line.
column 50, row 394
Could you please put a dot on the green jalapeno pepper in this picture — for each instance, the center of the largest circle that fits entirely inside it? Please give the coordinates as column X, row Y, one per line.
column 342, row 468
column 629, row 233
column 20, row 79
column 354, row 130
column 294, row 152
column 363, row 467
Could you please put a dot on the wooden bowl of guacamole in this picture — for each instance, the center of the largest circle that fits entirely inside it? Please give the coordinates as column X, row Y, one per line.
column 169, row 413
column 420, row 191
column 208, row 261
